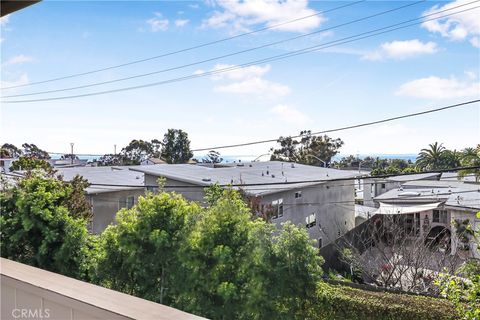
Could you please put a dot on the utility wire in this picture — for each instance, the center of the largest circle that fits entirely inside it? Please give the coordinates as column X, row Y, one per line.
column 347, row 127
column 274, row 58
column 186, row 49
column 365, row 124
column 214, row 58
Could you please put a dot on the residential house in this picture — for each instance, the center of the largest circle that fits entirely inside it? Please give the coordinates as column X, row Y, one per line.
column 280, row 190
column 437, row 211
column 375, row 186
column 111, row 189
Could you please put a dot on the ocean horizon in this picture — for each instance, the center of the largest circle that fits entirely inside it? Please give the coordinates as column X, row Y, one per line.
column 248, row 158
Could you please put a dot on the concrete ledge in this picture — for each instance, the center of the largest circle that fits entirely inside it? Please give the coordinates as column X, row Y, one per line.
column 42, row 294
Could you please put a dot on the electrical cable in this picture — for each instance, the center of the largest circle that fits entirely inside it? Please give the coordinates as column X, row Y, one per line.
column 185, row 49
column 211, row 59
column 236, row 67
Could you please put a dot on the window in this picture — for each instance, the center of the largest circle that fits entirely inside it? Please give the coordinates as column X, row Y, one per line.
column 277, row 206
column 383, row 186
column 440, row 216
column 126, row 202
column 298, row 194
column 310, row 220
column 130, row 202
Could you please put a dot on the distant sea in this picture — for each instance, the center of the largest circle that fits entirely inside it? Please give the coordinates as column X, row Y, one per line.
column 248, row 158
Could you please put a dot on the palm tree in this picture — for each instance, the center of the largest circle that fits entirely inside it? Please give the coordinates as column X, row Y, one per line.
column 431, row 158
column 470, row 157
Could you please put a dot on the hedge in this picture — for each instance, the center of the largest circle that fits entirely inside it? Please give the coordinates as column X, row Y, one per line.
column 341, row 302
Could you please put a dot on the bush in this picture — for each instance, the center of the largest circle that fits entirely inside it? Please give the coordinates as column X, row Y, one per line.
column 341, row 302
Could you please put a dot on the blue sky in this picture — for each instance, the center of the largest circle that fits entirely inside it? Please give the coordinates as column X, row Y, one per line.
column 409, row 70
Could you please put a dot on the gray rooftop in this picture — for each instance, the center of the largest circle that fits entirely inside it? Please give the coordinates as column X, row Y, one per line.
column 462, row 195
column 248, row 173
column 110, row 176
column 417, row 176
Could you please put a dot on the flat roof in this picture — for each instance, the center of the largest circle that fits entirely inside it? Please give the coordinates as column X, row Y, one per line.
column 96, row 296
column 463, row 195
column 128, row 180
column 248, row 173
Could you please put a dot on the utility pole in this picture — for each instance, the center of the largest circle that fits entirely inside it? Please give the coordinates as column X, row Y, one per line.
column 71, row 152
column 114, row 149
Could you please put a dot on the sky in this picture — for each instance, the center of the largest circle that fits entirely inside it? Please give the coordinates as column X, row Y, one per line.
column 428, row 65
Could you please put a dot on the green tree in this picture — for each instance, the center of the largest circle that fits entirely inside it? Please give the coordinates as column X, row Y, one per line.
column 431, row 158
column 137, row 151
column 237, row 267
column 32, row 151
column 133, row 154
column 470, row 157
column 308, row 149
column 9, row 150
column 139, row 254
column 37, row 228
column 77, row 204
column 111, row 160
column 30, row 163
column 464, row 291
column 176, row 146
column 296, row 266
column 212, row 157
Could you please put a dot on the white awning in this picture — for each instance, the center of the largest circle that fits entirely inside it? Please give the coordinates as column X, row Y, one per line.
column 405, row 208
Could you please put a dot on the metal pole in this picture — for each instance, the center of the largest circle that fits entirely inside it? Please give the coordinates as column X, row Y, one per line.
column 71, row 153
column 114, row 149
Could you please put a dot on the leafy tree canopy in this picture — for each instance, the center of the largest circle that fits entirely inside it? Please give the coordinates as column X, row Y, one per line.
column 38, row 229
column 212, row 157
column 9, row 150
column 30, row 163
column 308, row 149
column 32, row 151
column 176, row 146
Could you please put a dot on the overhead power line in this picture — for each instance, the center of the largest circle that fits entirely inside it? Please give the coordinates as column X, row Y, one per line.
column 214, row 58
column 364, row 124
column 186, row 49
column 315, row 48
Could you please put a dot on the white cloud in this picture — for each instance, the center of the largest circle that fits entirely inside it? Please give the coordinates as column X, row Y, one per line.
column 23, row 79
column 247, row 80
column 240, row 73
column 158, row 23
column 194, row 6
column 441, row 88
column 402, row 50
column 19, row 59
column 242, row 14
column 290, row 114
column 181, row 22
column 257, row 86
column 475, row 41
column 458, row 27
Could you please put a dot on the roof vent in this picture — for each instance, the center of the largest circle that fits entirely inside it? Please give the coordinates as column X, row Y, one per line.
column 206, row 179
column 293, row 165
column 250, row 165
column 273, row 176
